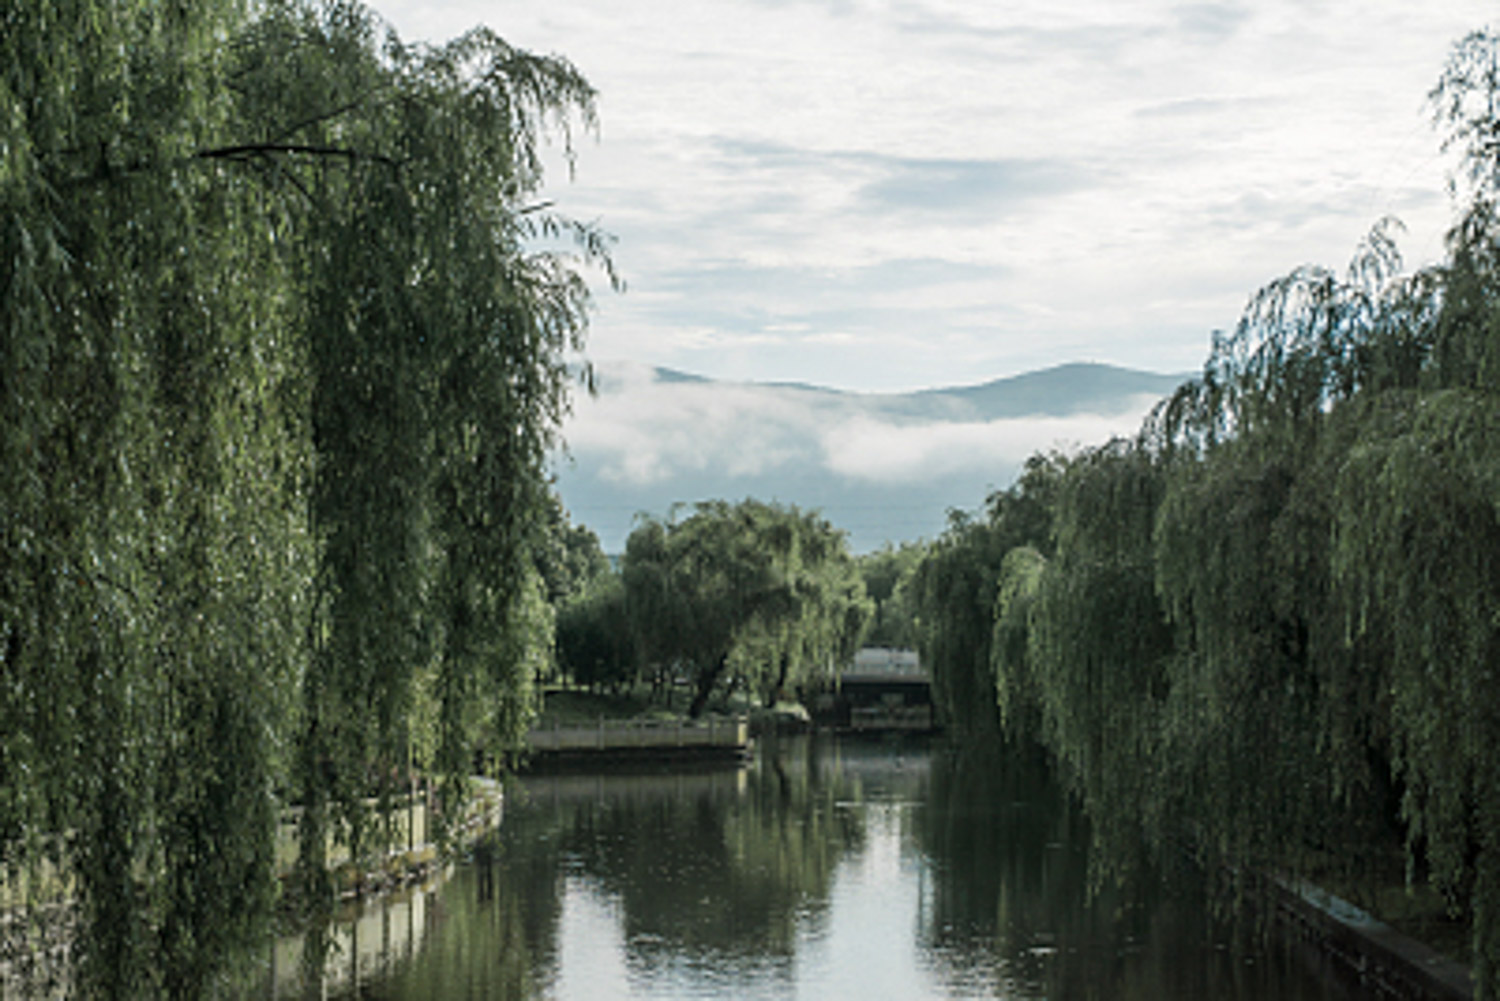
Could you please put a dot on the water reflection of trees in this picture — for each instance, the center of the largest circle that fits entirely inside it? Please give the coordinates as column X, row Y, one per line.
column 718, row 865
column 1010, row 911
column 482, row 948
column 487, row 929
column 713, row 869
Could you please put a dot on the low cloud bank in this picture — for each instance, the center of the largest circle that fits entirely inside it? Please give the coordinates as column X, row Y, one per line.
column 642, row 430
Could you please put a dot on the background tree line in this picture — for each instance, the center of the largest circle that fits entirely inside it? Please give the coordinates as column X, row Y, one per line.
column 1268, row 627
column 280, row 364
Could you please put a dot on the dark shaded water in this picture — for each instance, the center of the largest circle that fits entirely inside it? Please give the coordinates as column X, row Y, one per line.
column 828, row 869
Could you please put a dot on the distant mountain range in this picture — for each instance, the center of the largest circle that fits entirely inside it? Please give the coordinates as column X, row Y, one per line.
column 886, row 467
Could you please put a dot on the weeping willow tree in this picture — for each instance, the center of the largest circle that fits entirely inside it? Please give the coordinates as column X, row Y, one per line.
column 828, row 615
column 157, row 554
column 1097, row 643
column 438, row 382
column 750, row 593
column 1269, row 627
column 953, row 591
column 278, row 368
column 1329, row 570
column 954, row 588
column 1332, row 557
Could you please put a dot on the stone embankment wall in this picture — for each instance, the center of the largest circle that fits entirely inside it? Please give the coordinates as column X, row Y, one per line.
column 413, row 850
column 1386, row 963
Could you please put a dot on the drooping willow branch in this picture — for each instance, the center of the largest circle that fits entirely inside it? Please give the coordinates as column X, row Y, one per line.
column 238, row 153
column 246, row 150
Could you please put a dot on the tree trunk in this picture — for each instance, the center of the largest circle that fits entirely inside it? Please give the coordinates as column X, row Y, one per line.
column 774, row 692
column 706, row 682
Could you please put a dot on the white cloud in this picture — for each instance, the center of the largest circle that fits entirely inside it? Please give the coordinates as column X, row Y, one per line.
column 885, row 452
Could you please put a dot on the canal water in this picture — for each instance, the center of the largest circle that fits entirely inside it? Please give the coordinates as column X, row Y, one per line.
column 826, row 869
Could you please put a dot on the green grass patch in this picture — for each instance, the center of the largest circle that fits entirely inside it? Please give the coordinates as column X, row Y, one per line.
column 575, row 707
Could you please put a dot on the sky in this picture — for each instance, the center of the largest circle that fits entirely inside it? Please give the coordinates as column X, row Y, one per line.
column 885, row 196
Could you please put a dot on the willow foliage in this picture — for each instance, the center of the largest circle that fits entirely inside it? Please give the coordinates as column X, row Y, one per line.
column 278, row 368
column 953, row 589
column 1098, row 640
column 1240, row 582
column 1016, row 691
column 1417, row 534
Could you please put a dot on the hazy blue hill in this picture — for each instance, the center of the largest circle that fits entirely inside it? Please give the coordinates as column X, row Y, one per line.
column 883, row 466
column 1066, row 389
column 1077, row 387
column 672, row 375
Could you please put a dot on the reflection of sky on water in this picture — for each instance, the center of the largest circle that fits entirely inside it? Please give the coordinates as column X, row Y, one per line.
column 596, row 960
column 869, row 949
column 591, row 953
